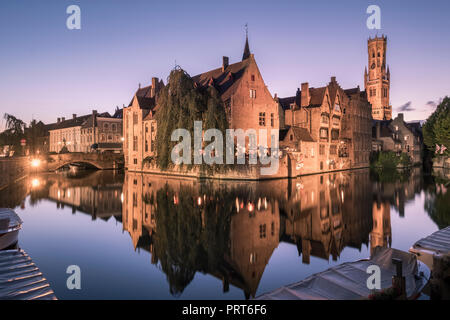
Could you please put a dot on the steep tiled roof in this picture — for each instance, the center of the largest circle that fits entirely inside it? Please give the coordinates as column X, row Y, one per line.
column 225, row 81
column 73, row 122
column 302, row 134
column 286, row 102
column 145, row 100
column 89, row 120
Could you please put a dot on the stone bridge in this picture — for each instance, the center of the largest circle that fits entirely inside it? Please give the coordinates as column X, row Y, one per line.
column 102, row 161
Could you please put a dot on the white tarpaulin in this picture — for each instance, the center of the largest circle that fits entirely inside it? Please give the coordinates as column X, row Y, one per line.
column 348, row 281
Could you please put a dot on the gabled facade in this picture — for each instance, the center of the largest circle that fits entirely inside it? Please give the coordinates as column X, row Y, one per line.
column 398, row 136
column 332, row 117
column 141, row 105
column 247, row 101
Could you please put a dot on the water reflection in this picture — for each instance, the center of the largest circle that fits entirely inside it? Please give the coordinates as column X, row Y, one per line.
column 230, row 230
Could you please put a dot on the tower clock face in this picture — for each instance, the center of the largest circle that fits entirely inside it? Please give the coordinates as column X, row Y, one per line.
column 373, row 66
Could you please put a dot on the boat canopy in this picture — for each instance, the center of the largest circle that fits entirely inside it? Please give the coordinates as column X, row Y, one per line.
column 439, row 242
column 9, row 220
column 348, row 281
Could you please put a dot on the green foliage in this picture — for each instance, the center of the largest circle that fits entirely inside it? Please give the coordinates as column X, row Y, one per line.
column 389, row 160
column 190, row 236
column 436, row 130
column 180, row 104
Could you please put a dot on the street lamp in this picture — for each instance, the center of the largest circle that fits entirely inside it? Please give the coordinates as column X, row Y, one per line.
column 35, row 163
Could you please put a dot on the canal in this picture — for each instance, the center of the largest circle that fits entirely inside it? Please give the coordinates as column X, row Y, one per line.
column 140, row 236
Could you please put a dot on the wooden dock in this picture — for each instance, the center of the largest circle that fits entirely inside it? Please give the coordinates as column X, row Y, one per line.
column 21, row 279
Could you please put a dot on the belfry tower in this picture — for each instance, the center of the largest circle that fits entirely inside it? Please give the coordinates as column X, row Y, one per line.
column 377, row 80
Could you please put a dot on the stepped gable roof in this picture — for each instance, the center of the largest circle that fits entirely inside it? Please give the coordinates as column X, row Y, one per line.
column 225, row 81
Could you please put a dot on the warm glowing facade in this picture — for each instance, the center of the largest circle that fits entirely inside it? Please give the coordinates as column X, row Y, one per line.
column 377, row 80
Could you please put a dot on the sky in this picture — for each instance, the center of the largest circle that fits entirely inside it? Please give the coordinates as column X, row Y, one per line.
column 48, row 71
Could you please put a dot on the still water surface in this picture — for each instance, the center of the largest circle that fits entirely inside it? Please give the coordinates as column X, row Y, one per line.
column 140, row 236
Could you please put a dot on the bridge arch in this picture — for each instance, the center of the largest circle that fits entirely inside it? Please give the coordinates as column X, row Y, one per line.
column 61, row 164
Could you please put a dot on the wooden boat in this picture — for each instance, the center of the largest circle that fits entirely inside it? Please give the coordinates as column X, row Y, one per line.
column 436, row 244
column 348, row 281
column 10, row 224
column 21, row 279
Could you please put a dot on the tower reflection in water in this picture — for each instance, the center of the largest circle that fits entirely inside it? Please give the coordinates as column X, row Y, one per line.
column 231, row 229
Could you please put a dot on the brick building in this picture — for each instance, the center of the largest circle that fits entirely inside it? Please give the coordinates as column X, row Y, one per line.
column 378, row 80
column 326, row 128
column 248, row 104
column 398, row 136
column 102, row 132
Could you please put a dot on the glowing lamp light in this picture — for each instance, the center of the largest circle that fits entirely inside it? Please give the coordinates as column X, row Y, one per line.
column 199, row 201
column 122, row 139
column 121, row 197
column 35, row 163
column 250, row 207
column 35, row 183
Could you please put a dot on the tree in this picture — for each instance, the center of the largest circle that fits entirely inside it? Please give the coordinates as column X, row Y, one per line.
column 436, row 130
column 14, row 131
column 181, row 103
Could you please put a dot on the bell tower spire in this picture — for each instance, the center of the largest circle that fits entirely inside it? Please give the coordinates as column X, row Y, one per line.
column 246, row 54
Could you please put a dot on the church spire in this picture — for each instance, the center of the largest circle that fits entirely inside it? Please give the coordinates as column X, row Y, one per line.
column 246, row 54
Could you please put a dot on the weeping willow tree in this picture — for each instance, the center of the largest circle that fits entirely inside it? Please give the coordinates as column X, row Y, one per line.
column 181, row 103
column 191, row 237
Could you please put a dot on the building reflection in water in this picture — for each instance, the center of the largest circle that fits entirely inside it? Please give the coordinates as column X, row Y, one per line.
column 231, row 229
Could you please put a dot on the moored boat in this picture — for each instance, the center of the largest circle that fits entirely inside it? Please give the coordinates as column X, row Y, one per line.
column 348, row 281
column 10, row 224
column 436, row 244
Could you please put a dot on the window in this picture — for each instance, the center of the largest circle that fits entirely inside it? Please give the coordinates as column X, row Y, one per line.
column 334, row 134
column 135, row 143
column 110, row 137
column 252, row 94
column 336, row 121
column 312, row 152
column 321, row 149
column 333, row 149
column 325, row 119
column 253, row 77
column 272, row 121
column 146, row 146
column 114, row 127
column 105, row 126
column 135, row 118
column 262, row 231
column 135, row 161
column 262, row 119
column 323, row 133
column 291, row 137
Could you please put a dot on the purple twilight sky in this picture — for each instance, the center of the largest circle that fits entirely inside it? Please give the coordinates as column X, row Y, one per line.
column 48, row 71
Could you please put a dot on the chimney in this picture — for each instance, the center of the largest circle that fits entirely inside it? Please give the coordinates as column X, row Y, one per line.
column 58, row 120
column 63, row 119
column 74, row 116
column 333, row 79
column 154, row 84
column 305, row 95
column 94, row 112
column 225, row 61
column 400, row 116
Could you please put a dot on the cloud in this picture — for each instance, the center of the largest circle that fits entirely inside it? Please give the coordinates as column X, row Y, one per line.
column 406, row 107
column 431, row 103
